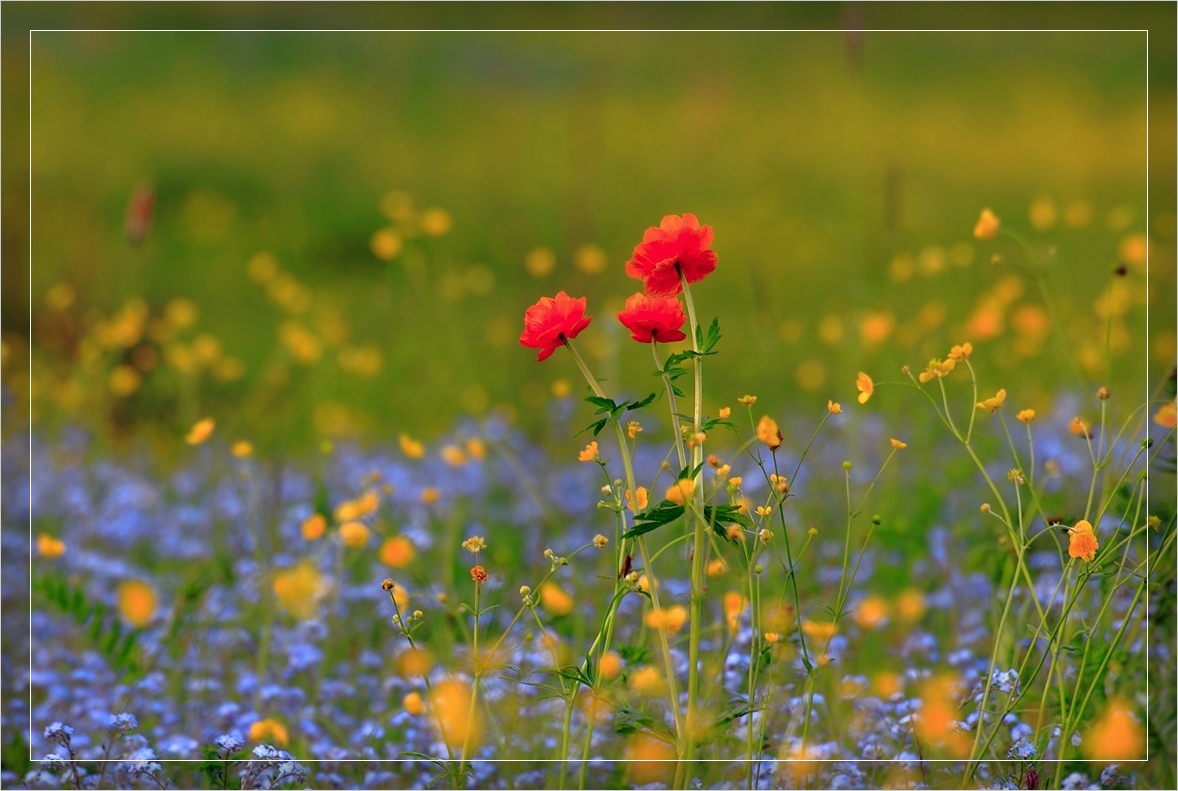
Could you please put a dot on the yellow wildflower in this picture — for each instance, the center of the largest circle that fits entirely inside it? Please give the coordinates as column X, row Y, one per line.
column 994, row 402
column 610, row 666
column 834, row 407
column 354, row 534
column 865, row 387
column 476, row 448
column 1167, row 415
column 50, row 547
column 411, row 447
column 269, row 730
column 1115, row 736
column 453, row 713
column 556, row 600
column 124, row 380
column 313, row 527
column 961, row 351
column 397, row 552
column 1026, row 415
column 435, row 222
column 937, row 369
column 747, row 400
column 453, row 455
column 669, row 620
column 898, row 445
column 589, row 453
column 386, row 244
column 681, row 491
column 137, row 603
column 1080, row 427
column 911, row 605
column 633, row 429
column 413, row 704
column 725, row 412
column 1082, row 542
column 242, row 449
column 643, row 500
column 646, row 680
column 987, row 225
column 734, row 606
column 201, row 431
column 872, row 612
column 768, row 433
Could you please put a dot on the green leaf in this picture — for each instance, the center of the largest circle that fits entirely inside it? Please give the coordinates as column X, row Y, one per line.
column 602, row 401
column 634, row 654
column 103, row 628
column 663, row 513
column 597, row 427
column 689, row 472
column 630, row 720
column 644, row 402
column 713, row 337
column 680, row 357
column 575, row 674
column 719, row 515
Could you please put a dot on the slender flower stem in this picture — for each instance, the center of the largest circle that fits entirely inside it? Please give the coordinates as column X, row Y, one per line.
column 793, row 575
column 699, row 534
column 624, row 449
column 672, row 405
column 478, row 675
column 429, row 689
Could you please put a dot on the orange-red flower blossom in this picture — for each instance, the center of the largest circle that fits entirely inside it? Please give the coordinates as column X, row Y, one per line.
column 551, row 321
column 679, row 244
column 653, row 319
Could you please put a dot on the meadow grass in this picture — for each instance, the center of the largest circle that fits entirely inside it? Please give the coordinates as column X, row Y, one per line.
column 885, row 503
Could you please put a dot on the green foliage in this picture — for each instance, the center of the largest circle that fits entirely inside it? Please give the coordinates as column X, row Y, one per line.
column 612, row 411
column 106, row 632
column 631, row 720
column 14, row 754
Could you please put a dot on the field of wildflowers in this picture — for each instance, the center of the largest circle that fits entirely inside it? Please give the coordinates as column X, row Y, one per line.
column 311, row 484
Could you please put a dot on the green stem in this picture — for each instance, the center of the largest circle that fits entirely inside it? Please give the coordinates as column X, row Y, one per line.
column 672, row 405
column 668, row 661
column 699, row 537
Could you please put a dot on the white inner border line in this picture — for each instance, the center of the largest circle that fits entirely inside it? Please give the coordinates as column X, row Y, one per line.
column 542, row 760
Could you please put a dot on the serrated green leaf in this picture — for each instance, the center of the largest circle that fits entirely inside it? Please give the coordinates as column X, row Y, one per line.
column 643, row 402
column 606, row 404
column 712, row 338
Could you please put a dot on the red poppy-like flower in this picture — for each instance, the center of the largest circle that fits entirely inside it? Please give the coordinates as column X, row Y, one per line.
column 550, row 321
column 679, row 243
column 653, row 319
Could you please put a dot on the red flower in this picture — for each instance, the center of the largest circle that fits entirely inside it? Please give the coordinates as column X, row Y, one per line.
column 550, row 321
column 653, row 319
column 679, row 243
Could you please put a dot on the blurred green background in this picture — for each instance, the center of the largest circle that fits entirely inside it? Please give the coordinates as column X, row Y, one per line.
column 842, row 172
